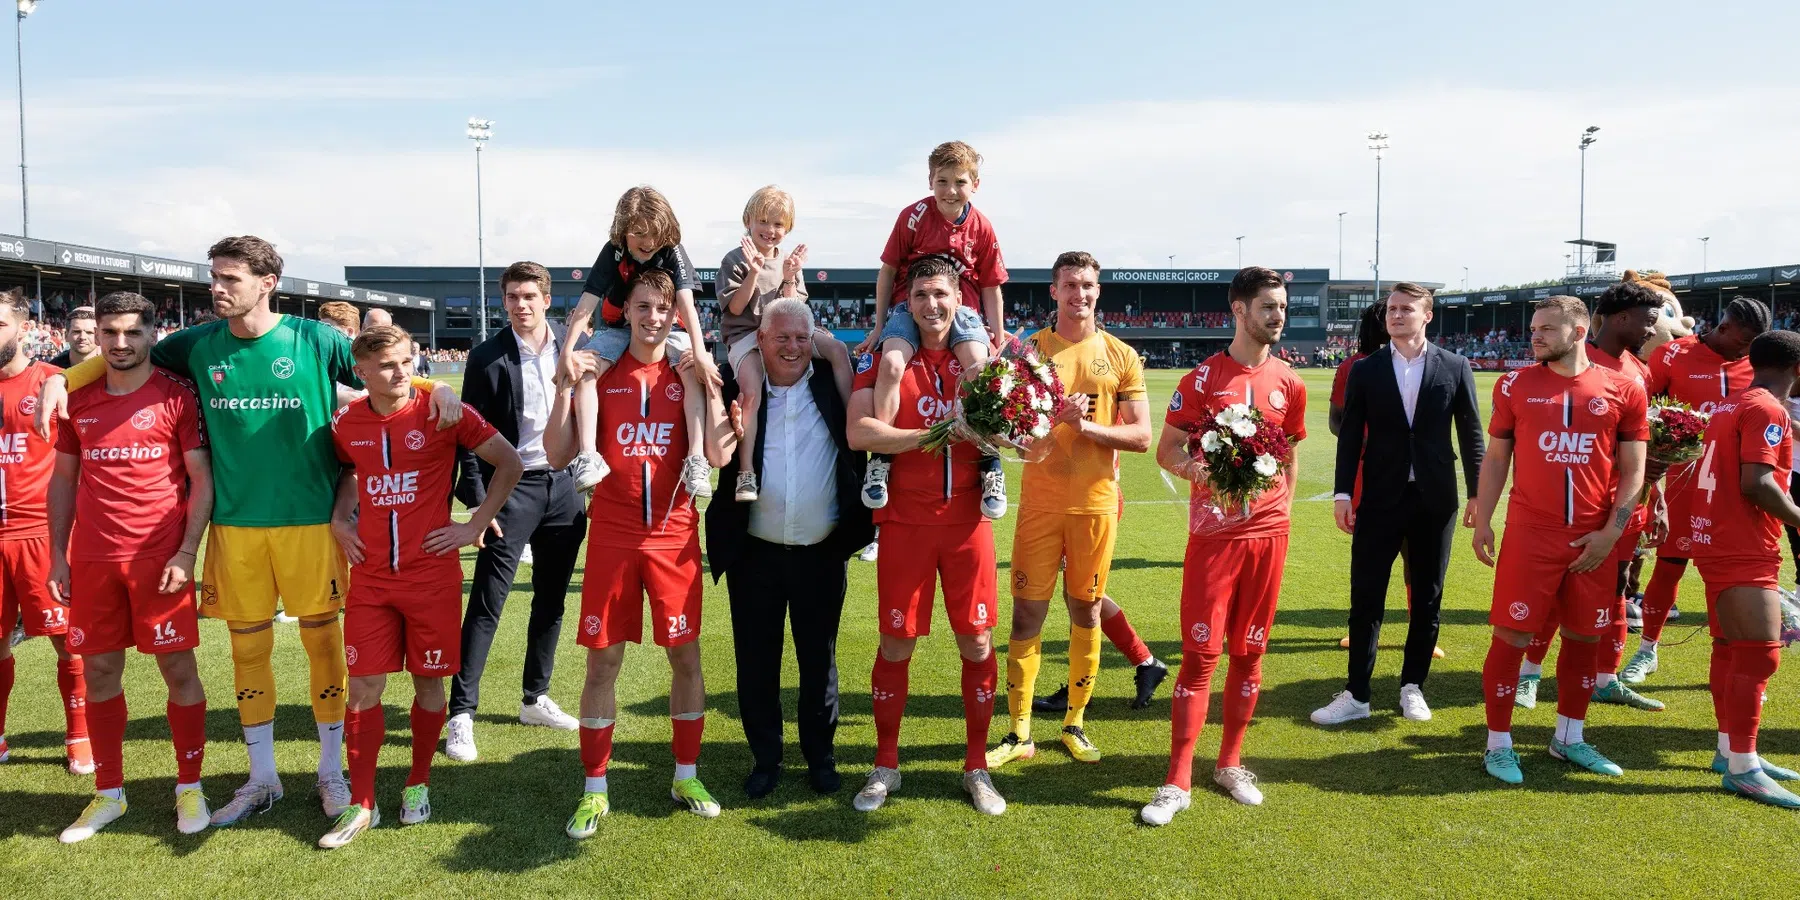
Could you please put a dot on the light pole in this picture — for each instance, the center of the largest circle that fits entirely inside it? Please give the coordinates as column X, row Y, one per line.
column 1703, row 243
column 479, row 132
column 26, row 8
column 1240, row 240
column 1465, row 279
column 1587, row 140
column 1171, row 260
column 1378, row 141
column 1340, row 268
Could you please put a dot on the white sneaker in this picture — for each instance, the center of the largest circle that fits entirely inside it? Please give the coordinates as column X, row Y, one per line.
column 993, row 493
column 545, row 712
column 191, row 814
column 334, row 795
column 254, row 797
column 696, row 477
column 1342, row 708
column 100, row 812
column 875, row 487
column 980, row 788
column 588, row 468
column 1240, row 784
column 525, row 558
column 871, row 552
column 352, row 822
column 746, row 488
column 1162, row 808
column 459, row 738
column 882, row 782
column 285, row 619
column 1412, row 703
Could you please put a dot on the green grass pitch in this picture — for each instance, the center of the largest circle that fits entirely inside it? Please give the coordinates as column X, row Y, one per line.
column 1382, row 807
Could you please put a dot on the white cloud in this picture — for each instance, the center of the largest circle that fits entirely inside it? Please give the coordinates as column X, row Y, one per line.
column 1479, row 178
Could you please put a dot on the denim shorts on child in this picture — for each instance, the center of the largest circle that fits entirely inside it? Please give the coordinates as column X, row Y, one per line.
column 965, row 327
column 610, row 343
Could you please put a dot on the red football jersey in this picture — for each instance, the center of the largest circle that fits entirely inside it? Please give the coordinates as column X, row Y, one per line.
column 1565, row 434
column 925, row 488
column 404, row 470
column 1751, row 427
column 1635, row 370
column 25, row 460
column 1272, row 388
column 1689, row 371
column 922, row 231
column 1340, row 381
column 643, row 437
column 131, row 499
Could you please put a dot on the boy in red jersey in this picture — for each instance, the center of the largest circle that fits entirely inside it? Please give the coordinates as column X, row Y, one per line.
column 643, row 541
column 134, row 477
column 25, row 463
column 1739, row 505
column 1625, row 318
column 1580, row 430
column 945, row 224
column 935, row 531
column 392, row 519
column 1230, row 580
column 1700, row 371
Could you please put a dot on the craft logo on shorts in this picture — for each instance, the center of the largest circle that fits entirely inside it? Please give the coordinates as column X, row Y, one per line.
column 1772, row 435
column 350, row 654
column 1201, row 632
column 865, row 362
column 415, row 439
column 1519, row 611
column 28, row 405
column 1597, row 406
column 77, row 637
column 1277, row 399
column 673, row 392
column 144, row 419
column 591, row 625
column 1175, row 401
column 282, row 368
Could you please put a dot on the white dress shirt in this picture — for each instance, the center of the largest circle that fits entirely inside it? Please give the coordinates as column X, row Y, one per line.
column 1408, row 373
column 796, row 504
column 537, row 376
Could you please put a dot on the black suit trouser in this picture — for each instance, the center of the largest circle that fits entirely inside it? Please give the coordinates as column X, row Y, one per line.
column 769, row 585
column 1425, row 537
column 545, row 513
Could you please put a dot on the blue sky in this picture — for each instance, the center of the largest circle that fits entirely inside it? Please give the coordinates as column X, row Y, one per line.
column 1133, row 130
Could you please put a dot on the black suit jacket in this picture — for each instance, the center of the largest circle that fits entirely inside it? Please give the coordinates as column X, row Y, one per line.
column 1391, row 447
column 728, row 521
column 491, row 385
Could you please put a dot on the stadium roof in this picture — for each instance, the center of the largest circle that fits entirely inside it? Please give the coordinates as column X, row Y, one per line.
column 1772, row 276
column 838, row 275
column 118, row 263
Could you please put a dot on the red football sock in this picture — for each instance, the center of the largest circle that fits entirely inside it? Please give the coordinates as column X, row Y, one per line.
column 427, row 727
column 1125, row 638
column 1575, row 678
column 978, row 679
column 1659, row 596
column 686, row 740
column 109, row 743
column 7, row 666
column 1718, row 681
column 1753, row 663
column 1193, row 689
column 596, row 750
column 887, row 686
column 187, row 728
column 74, row 694
column 1500, row 680
column 364, row 730
column 1243, row 682
column 1612, row 643
column 1540, row 642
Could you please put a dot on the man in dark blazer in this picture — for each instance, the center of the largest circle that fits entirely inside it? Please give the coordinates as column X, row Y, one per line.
column 1400, row 406
column 785, row 554
column 509, row 380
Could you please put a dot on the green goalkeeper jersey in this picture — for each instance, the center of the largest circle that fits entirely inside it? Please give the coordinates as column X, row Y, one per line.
column 267, row 403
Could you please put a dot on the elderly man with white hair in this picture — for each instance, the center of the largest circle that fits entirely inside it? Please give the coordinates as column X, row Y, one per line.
column 784, row 555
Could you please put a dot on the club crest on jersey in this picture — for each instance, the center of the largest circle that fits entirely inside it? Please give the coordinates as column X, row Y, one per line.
column 28, row 405
column 1201, row 632
column 1175, row 401
column 415, row 440
column 1772, row 435
column 1519, row 611
column 1101, row 368
column 144, row 419
column 865, row 362
column 673, row 392
column 1277, row 399
column 282, row 368
column 956, row 368
column 1597, row 406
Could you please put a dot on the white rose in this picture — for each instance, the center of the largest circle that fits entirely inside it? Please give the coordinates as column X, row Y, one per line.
column 1243, row 428
column 1227, row 416
column 1240, row 410
column 1211, row 442
column 1265, row 465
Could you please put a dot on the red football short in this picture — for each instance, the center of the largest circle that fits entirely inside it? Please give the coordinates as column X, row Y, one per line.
column 115, row 605
column 1533, row 577
column 1722, row 573
column 615, row 582
column 25, row 588
column 914, row 558
column 415, row 627
column 1228, row 592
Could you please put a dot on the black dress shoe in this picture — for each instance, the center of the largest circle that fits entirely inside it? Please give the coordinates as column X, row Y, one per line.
column 762, row 782
column 824, row 779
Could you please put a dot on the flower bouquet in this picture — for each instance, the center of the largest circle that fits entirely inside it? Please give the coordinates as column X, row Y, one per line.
column 1013, row 399
column 1239, row 455
column 1676, row 431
